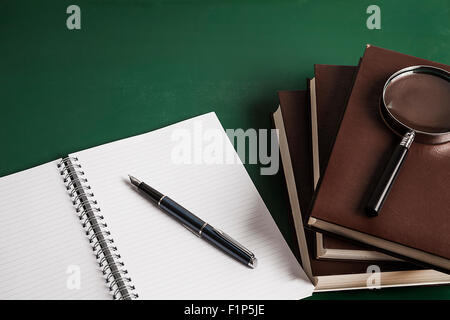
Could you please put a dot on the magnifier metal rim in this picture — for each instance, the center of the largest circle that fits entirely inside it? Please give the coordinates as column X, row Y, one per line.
column 410, row 70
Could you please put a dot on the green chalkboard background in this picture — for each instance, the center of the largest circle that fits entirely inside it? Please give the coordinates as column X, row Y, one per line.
column 140, row 65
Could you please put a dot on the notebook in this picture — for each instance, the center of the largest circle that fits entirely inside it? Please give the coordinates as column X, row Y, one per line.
column 292, row 119
column 415, row 221
column 139, row 251
column 329, row 91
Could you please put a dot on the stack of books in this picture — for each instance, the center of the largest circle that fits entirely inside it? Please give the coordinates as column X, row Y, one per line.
column 333, row 144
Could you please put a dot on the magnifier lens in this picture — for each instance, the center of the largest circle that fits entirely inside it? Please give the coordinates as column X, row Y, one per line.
column 420, row 101
column 416, row 104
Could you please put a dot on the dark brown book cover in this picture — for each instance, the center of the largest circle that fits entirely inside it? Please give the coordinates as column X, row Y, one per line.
column 297, row 123
column 333, row 87
column 417, row 211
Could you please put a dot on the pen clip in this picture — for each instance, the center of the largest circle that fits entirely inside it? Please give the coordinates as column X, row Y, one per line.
column 234, row 242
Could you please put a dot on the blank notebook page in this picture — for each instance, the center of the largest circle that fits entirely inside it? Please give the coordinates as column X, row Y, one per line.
column 166, row 261
column 44, row 253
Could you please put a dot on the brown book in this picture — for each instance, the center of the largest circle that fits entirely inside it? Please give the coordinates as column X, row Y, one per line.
column 414, row 223
column 329, row 92
column 292, row 119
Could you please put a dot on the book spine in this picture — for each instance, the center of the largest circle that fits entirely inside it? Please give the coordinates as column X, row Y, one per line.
column 108, row 258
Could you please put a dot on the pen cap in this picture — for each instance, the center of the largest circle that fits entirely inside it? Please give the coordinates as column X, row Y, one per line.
column 229, row 245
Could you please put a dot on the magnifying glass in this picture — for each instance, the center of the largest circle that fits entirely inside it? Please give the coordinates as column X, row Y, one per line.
column 416, row 106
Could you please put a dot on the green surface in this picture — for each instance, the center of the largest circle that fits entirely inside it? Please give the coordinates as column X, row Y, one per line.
column 139, row 65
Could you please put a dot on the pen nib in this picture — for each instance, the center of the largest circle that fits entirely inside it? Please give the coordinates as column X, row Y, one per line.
column 134, row 181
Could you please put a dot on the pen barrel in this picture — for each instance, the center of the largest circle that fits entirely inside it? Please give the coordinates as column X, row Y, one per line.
column 178, row 212
column 154, row 195
column 226, row 244
column 201, row 229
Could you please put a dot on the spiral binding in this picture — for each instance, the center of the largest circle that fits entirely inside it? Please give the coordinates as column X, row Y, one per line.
column 116, row 275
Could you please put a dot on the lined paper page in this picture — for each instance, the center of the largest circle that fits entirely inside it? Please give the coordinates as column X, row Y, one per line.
column 166, row 261
column 43, row 248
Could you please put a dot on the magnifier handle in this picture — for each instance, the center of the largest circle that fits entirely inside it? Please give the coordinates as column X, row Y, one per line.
column 389, row 175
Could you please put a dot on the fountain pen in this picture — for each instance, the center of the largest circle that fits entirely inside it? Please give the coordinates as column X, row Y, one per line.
column 196, row 225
